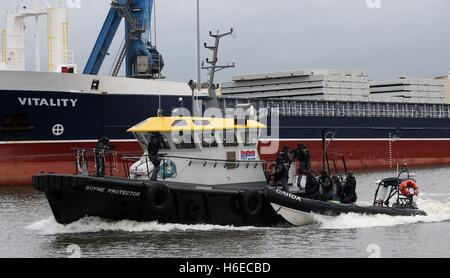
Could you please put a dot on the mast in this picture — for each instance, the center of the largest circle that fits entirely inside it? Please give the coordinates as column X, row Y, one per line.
column 213, row 68
column 199, row 75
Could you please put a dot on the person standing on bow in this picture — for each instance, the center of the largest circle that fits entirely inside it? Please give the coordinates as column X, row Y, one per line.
column 99, row 152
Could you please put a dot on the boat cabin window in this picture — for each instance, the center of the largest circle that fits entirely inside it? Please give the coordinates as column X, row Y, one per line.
column 230, row 139
column 179, row 123
column 201, row 122
column 249, row 138
column 143, row 139
column 184, row 141
column 209, row 140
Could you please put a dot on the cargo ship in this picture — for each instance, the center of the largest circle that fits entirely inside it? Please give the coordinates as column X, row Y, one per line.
column 44, row 115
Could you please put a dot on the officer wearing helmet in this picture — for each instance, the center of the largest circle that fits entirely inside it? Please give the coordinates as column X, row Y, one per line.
column 102, row 145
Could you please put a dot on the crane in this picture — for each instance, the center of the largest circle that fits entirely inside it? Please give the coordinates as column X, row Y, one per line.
column 141, row 57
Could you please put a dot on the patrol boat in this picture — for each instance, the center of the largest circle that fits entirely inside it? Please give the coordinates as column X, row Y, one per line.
column 210, row 173
column 394, row 197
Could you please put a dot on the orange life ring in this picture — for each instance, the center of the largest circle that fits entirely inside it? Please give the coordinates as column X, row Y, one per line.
column 406, row 185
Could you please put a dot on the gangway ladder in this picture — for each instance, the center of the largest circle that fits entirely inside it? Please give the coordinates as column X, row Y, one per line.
column 3, row 37
column 213, row 67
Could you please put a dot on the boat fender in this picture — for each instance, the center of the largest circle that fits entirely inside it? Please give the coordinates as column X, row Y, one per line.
column 159, row 197
column 406, row 186
column 251, row 203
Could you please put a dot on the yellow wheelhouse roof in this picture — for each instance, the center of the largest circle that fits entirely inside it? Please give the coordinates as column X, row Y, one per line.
column 193, row 124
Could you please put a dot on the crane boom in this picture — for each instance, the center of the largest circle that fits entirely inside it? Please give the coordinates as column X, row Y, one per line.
column 142, row 59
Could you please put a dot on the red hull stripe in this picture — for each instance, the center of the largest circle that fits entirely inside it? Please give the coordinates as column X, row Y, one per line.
column 19, row 162
column 62, row 142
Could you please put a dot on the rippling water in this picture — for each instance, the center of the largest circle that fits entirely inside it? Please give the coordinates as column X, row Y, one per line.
column 28, row 230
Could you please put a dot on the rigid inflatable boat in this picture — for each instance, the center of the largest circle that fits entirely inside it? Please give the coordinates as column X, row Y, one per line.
column 298, row 210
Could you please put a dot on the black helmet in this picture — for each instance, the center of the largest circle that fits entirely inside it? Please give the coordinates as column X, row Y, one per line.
column 323, row 173
column 104, row 139
column 280, row 156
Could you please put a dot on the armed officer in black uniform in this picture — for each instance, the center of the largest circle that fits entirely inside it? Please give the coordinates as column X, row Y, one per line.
column 99, row 152
column 282, row 171
column 304, row 158
column 349, row 195
column 155, row 143
column 326, row 185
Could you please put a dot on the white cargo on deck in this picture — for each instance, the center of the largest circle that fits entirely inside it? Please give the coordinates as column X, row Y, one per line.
column 347, row 85
column 408, row 91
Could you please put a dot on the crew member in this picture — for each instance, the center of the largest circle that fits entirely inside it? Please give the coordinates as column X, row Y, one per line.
column 349, row 195
column 304, row 158
column 312, row 188
column 337, row 188
column 99, row 152
column 326, row 185
column 286, row 153
column 282, row 171
column 154, row 145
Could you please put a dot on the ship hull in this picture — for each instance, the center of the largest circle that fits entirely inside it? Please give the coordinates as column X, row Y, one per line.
column 44, row 116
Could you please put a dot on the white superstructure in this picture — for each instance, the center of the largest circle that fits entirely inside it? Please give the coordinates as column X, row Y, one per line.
column 81, row 83
column 12, row 46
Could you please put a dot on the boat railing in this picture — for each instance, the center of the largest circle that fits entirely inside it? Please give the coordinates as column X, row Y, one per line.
column 312, row 108
column 333, row 159
column 95, row 162
column 394, row 191
column 166, row 160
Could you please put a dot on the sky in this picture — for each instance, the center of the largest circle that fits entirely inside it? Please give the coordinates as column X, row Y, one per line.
column 398, row 38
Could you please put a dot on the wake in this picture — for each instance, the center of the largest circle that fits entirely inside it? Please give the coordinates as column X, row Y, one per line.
column 437, row 207
column 95, row 225
column 437, row 211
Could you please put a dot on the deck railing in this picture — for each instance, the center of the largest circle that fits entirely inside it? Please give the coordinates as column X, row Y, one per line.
column 346, row 109
column 91, row 162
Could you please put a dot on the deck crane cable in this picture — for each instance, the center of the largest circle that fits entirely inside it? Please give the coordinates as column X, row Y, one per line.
column 118, row 60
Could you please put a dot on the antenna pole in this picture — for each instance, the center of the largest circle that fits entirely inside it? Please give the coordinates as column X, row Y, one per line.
column 213, row 68
column 199, row 75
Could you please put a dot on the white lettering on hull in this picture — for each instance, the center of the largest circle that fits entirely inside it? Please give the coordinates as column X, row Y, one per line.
column 48, row 102
column 113, row 191
column 292, row 196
